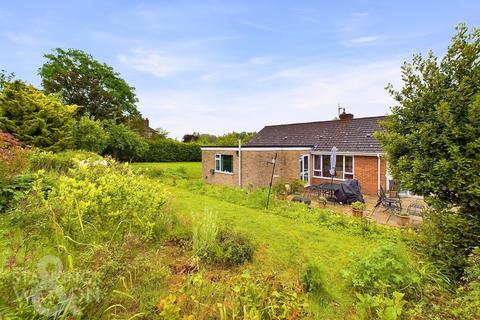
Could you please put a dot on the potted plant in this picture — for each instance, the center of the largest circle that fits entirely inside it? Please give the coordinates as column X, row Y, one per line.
column 402, row 218
column 322, row 201
column 358, row 208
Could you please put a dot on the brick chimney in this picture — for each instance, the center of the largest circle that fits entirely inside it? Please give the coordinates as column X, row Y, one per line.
column 345, row 116
column 146, row 123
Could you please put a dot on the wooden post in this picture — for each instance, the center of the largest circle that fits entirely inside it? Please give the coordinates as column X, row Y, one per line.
column 271, row 179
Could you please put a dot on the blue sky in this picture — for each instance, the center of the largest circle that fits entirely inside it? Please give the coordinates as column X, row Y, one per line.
column 218, row 66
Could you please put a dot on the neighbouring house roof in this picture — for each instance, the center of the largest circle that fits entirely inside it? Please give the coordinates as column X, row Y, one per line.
column 348, row 135
column 147, row 130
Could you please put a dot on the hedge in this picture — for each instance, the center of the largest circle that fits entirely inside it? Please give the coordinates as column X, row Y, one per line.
column 167, row 150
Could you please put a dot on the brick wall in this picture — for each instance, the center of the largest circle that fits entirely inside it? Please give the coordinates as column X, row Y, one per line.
column 208, row 164
column 366, row 172
column 257, row 169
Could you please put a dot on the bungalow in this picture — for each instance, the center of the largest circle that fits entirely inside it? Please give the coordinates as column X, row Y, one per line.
column 302, row 151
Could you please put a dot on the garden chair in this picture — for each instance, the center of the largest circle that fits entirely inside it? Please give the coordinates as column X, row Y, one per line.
column 416, row 209
column 390, row 205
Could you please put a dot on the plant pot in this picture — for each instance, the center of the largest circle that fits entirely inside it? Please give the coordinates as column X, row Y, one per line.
column 282, row 196
column 393, row 194
column 402, row 220
column 357, row 213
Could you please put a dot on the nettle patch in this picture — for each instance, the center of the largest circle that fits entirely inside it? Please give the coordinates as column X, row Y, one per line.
column 244, row 296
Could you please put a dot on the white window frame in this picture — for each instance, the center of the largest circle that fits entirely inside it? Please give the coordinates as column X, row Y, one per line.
column 218, row 159
column 303, row 171
column 343, row 169
column 353, row 167
column 321, row 166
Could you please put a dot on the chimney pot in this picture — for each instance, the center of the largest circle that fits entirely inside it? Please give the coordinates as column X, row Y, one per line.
column 346, row 116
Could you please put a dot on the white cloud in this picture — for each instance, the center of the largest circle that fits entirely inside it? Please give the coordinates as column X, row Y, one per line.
column 363, row 40
column 25, row 39
column 260, row 60
column 155, row 63
column 360, row 14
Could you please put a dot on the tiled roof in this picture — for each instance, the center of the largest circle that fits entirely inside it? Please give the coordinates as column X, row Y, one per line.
column 348, row 135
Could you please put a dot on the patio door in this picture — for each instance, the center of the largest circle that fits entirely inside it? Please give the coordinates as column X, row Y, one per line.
column 305, row 169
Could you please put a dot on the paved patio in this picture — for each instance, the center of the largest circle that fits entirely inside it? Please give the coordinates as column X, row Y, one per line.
column 380, row 215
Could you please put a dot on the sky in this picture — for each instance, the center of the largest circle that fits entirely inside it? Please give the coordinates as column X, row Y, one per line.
column 222, row 66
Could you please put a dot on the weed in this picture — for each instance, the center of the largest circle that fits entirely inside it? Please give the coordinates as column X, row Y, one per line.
column 205, row 232
column 239, row 297
column 380, row 306
column 59, row 162
column 389, row 266
column 312, row 277
column 215, row 245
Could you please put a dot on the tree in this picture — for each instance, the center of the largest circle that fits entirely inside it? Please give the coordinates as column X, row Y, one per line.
column 5, row 78
column 161, row 133
column 231, row 139
column 123, row 143
column 35, row 118
column 432, row 138
column 90, row 135
column 95, row 87
column 206, row 139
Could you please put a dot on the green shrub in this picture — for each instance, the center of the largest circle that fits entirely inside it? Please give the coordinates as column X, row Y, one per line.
column 169, row 150
column 312, row 277
column 445, row 238
column 357, row 205
column 35, row 118
column 380, row 306
column 95, row 203
column 245, row 296
column 164, row 174
column 235, row 247
column 466, row 304
column 213, row 245
column 89, row 135
column 387, row 268
column 34, row 295
column 59, row 162
column 13, row 189
column 124, row 143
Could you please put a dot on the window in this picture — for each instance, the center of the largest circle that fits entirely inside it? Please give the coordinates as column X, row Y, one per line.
column 343, row 167
column 317, row 166
column 348, row 168
column 224, row 163
column 325, row 166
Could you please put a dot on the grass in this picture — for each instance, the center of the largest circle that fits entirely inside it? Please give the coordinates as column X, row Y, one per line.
column 193, row 169
column 283, row 244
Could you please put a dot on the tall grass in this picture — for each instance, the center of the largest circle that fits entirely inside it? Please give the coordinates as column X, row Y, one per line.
column 214, row 244
column 205, row 231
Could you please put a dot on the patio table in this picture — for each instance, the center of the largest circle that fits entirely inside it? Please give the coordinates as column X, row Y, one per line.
column 328, row 190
